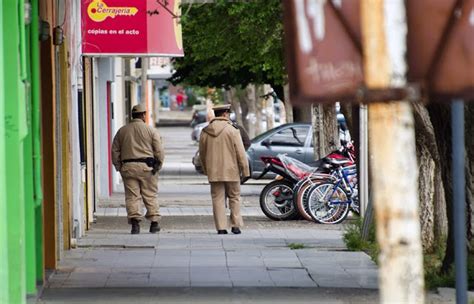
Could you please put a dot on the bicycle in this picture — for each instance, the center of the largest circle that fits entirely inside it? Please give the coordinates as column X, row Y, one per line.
column 330, row 202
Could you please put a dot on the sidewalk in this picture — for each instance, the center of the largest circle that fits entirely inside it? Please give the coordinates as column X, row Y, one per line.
column 188, row 253
column 187, row 262
column 175, row 117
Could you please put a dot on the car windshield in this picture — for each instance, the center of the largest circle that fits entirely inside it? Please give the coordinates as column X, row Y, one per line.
column 274, row 130
column 263, row 135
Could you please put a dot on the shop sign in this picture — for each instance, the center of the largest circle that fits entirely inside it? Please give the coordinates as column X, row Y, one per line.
column 324, row 64
column 131, row 28
column 324, row 52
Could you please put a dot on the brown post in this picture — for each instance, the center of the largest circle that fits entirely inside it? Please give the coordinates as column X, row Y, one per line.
column 393, row 162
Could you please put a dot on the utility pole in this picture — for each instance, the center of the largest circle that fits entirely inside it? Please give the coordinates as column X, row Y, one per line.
column 393, row 162
column 144, row 90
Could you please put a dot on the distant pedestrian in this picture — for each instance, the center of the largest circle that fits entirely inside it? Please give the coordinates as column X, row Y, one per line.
column 224, row 161
column 180, row 100
column 137, row 153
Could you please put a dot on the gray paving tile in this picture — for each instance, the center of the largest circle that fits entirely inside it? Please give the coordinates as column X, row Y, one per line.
column 291, row 262
column 217, row 283
column 208, row 253
column 169, row 283
column 337, row 283
column 172, row 262
column 253, row 283
column 128, row 283
column 291, row 278
column 208, row 261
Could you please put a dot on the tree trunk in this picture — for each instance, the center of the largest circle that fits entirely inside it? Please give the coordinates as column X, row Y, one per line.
column 234, row 101
column 325, row 131
column 330, row 129
column 431, row 191
column 302, row 113
column 252, row 109
column 469, row 119
column 268, row 106
column 441, row 120
column 259, row 109
column 241, row 96
column 287, row 102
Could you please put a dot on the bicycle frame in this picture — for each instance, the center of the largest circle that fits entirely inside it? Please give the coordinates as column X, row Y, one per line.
column 341, row 174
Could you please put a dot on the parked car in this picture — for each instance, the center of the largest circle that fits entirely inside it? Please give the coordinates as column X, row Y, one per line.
column 294, row 139
column 196, row 133
column 199, row 116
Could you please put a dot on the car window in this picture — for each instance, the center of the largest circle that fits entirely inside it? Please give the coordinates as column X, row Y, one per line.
column 263, row 135
column 293, row 136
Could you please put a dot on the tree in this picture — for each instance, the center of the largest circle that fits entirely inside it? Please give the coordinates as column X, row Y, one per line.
column 441, row 120
column 232, row 44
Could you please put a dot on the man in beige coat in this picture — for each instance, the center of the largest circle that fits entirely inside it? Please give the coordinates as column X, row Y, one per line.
column 224, row 162
column 137, row 153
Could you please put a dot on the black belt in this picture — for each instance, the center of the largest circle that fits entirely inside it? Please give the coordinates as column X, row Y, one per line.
column 139, row 160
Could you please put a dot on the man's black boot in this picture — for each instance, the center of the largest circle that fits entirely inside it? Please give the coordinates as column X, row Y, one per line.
column 154, row 227
column 236, row 230
column 222, row 231
column 135, row 226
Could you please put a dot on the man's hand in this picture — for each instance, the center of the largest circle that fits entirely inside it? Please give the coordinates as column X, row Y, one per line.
column 243, row 179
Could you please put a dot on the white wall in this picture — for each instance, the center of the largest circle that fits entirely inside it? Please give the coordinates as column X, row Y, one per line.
column 103, row 72
column 77, row 184
column 119, row 113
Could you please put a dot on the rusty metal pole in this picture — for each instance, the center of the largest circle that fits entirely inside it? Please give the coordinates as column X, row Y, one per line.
column 393, row 162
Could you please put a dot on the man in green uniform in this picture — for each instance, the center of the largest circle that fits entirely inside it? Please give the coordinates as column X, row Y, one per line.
column 224, row 161
column 137, row 153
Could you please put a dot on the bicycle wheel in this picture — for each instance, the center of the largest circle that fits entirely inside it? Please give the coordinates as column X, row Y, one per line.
column 276, row 201
column 301, row 197
column 328, row 203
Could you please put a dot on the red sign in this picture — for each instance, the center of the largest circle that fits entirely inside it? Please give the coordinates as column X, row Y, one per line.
column 324, row 64
column 441, row 46
column 124, row 27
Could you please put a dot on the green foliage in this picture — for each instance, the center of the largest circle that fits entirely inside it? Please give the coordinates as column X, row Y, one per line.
column 294, row 246
column 354, row 242
column 431, row 262
column 435, row 278
column 231, row 44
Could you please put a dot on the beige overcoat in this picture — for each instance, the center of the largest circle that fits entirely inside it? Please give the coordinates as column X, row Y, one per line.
column 136, row 140
column 222, row 152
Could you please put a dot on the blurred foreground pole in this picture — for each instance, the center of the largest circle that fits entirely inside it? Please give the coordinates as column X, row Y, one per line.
column 393, row 163
column 459, row 200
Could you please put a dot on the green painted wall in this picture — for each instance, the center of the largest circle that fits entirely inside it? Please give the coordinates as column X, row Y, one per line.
column 30, row 206
column 14, row 134
column 4, row 269
column 36, row 137
column 21, row 238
